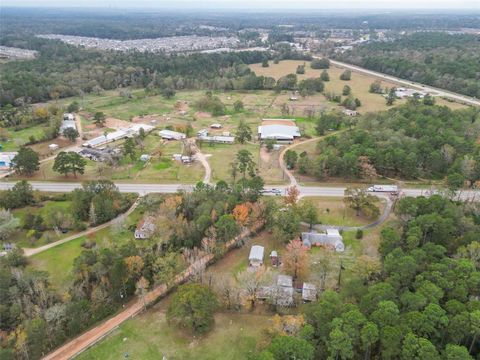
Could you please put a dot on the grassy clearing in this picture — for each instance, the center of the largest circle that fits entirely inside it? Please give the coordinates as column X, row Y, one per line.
column 359, row 83
column 58, row 261
column 43, row 209
column 21, row 137
column 333, row 211
column 148, row 336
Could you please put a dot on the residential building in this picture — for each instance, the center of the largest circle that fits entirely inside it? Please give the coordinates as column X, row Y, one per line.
column 145, row 228
column 331, row 238
column 171, row 135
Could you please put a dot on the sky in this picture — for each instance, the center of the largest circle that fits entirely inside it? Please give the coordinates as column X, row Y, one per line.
column 250, row 4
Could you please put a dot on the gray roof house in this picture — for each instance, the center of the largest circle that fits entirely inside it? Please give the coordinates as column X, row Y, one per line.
column 278, row 132
column 145, row 228
column 171, row 135
column 330, row 238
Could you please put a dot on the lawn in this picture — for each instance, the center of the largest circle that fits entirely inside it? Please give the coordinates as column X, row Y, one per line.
column 220, row 156
column 21, row 137
column 333, row 211
column 58, row 261
column 149, row 336
column 44, row 208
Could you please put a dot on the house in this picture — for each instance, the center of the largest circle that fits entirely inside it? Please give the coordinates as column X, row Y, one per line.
column 309, row 292
column 145, row 228
column 216, row 126
column 6, row 159
column 405, row 92
column 349, row 112
column 171, row 135
column 281, row 130
column 202, row 135
column 331, row 238
column 255, row 259
column 53, row 147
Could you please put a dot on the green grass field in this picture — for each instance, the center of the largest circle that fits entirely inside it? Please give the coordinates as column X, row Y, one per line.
column 58, row 261
column 359, row 83
column 44, row 208
column 333, row 211
column 150, row 337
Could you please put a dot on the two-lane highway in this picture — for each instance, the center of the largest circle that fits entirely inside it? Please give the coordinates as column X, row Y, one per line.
column 143, row 189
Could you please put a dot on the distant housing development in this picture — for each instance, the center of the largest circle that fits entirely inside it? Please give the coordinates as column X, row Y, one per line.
column 7, row 52
column 281, row 130
column 166, row 44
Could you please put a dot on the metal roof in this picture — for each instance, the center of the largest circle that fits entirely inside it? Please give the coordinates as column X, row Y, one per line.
column 256, row 253
column 278, row 132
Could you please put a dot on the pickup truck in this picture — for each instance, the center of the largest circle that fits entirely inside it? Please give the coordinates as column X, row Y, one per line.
column 383, row 188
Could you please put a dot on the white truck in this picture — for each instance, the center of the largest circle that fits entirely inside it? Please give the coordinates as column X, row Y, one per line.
column 383, row 188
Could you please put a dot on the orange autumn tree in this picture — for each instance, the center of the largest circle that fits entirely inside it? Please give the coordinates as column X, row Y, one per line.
column 295, row 259
column 292, row 195
column 240, row 213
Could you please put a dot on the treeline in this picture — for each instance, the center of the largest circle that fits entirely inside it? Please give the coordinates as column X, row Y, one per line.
column 61, row 70
column 409, row 141
column 422, row 303
column 434, row 58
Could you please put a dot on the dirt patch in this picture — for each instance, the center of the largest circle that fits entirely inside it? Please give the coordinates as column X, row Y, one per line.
column 181, row 105
column 203, row 115
column 147, row 119
column 278, row 122
column 117, row 123
column 90, row 127
column 265, row 155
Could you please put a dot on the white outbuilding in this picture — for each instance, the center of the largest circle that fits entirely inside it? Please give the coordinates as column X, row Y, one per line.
column 255, row 259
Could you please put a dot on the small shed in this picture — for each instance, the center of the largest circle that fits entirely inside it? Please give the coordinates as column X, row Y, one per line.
column 53, row 147
column 216, row 126
column 255, row 259
column 274, row 258
column 144, row 157
column 309, row 292
column 177, row 157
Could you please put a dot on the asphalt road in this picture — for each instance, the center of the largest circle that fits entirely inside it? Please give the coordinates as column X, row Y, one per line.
column 429, row 89
column 143, row 189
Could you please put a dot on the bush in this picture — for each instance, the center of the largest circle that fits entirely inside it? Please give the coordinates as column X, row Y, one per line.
column 359, row 234
column 320, row 64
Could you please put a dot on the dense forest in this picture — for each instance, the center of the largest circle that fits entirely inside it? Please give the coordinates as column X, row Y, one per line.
column 409, row 141
column 61, row 70
column 118, row 24
column 439, row 59
column 424, row 301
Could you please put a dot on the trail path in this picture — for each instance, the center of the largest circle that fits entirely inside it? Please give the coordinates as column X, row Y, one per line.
column 33, row 251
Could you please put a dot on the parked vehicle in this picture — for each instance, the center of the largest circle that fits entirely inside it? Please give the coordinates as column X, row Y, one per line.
column 383, row 188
